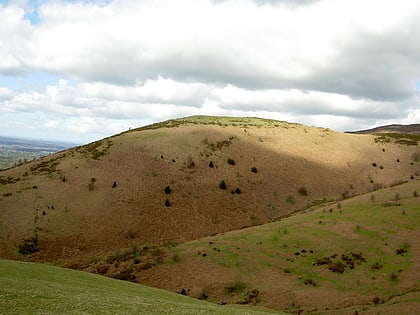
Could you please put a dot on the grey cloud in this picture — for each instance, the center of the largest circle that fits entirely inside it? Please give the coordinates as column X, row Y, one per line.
column 378, row 67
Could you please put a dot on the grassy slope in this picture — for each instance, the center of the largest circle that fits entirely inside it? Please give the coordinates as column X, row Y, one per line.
column 27, row 288
column 278, row 258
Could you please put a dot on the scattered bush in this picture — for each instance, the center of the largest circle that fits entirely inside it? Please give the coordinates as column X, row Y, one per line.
column 336, row 267
column 415, row 194
column 290, row 200
column 167, row 190
column 167, row 203
column 125, row 275
column 376, row 266
column 303, row 191
column 29, row 246
column 309, row 282
column 114, row 184
column 374, row 164
column 237, row 286
column 222, row 185
column 393, row 276
column 254, row 169
column 237, row 191
column 91, row 185
column 211, row 165
column 231, row 161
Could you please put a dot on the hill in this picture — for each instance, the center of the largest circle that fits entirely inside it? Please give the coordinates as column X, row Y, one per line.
column 27, row 288
column 123, row 206
column 401, row 129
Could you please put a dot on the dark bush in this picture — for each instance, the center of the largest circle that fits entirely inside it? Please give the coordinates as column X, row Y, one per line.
column 309, row 282
column 237, row 191
column 323, row 261
column 124, row 274
column 336, row 267
column 231, row 161
column 222, row 185
column 167, row 203
column 167, row 190
column 303, row 191
column 114, row 184
column 374, row 164
column 211, row 165
column 29, row 246
column 254, row 169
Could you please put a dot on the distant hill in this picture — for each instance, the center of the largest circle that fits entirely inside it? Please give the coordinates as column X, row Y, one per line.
column 405, row 129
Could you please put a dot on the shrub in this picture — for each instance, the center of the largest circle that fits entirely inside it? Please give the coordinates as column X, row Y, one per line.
column 415, row 194
column 222, row 185
column 167, row 190
column 231, row 161
column 91, row 185
column 114, row 184
column 29, row 246
column 303, row 191
column 374, row 164
column 290, row 199
column 167, row 203
column 309, row 282
column 254, row 169
column 211, row 165
column 336, row 267
column 124, row 274
column 235, row 286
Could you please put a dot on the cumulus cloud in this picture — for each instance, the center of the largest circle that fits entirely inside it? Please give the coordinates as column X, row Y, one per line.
column 140, row 61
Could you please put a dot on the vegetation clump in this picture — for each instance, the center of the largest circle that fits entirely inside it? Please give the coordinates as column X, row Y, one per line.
column 222, row 185
column 303, row 191
column 254, row 169
column 29, row 246
column 231, row 161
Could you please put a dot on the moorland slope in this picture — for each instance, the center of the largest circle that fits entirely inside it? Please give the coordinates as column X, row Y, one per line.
column 124, row 205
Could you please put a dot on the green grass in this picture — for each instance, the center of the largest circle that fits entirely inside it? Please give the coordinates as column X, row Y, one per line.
column 218, row 120
column 295, row 244
column 27, row 288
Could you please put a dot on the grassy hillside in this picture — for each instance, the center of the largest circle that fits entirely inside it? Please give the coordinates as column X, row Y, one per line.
column 360, row 255
column 27, row 288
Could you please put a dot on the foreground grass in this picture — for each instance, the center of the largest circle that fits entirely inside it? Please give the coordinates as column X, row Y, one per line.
column 27, row 288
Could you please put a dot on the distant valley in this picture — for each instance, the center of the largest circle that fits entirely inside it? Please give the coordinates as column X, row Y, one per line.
column 14, row 151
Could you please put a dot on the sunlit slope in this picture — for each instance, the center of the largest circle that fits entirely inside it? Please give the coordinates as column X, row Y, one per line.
column 27, row 288
column 163, row 183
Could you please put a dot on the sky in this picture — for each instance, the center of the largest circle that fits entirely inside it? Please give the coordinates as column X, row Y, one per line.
column 82, row 70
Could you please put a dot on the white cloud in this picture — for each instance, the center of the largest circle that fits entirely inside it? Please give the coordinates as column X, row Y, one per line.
column 124, row 61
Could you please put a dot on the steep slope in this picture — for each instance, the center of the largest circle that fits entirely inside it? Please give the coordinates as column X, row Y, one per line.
column 110, row 194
